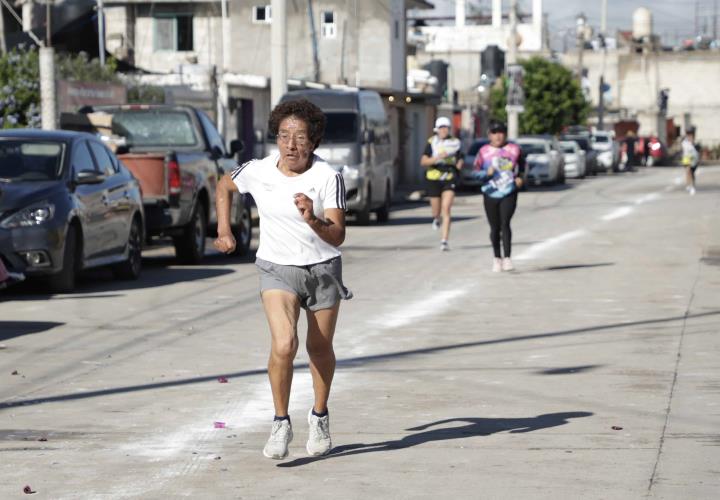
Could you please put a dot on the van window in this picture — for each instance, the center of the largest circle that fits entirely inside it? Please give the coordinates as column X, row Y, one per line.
column 341, row 127
column 374, row 112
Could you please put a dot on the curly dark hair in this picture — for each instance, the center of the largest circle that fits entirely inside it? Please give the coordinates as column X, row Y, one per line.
column 305, row 111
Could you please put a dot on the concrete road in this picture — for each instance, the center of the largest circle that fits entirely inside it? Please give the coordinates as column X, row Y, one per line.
column 590, row 372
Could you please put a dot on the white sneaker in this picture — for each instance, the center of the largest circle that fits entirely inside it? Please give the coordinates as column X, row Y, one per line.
column 497, row 265
column 319, row 442
column 692, row 191
column 444, row 246
column 507, row 264
column 280, row 437
column 436, row 224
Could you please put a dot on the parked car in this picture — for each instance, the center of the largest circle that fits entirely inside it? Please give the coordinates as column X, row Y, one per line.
column 608, row 150
column 574, row 159
column 356, row 143
column 544, row 161
column 467, row 178
column 585, row 142
column 178, row 156
column 66, row 204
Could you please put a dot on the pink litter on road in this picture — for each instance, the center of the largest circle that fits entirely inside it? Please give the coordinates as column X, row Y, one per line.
column 28, row 490
column 219, row 425
column 223, row 380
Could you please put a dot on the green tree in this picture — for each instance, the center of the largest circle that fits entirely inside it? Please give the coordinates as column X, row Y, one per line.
column 20, row 81
column 553, row 98
column 19, row 88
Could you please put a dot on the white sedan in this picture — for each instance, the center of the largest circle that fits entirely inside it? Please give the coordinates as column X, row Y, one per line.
column 574, row 159
column 544, row 164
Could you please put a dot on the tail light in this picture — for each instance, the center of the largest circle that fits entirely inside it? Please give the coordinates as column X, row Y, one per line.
column 173, row 170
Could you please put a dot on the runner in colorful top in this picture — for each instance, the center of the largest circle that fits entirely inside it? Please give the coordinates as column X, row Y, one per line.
column 501, row 165
column 690, row 158
column 442, row 159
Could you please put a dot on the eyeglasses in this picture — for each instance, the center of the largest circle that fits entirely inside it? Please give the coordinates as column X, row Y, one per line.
column 299, row 139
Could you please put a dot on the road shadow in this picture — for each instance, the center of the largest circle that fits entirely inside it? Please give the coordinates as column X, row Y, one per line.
column 12, row 329
column 473, row 427
column 422, row 220
column 550, row 188
column 567, row 370
column 100, row 280
column 570, row 267
column 349, row 363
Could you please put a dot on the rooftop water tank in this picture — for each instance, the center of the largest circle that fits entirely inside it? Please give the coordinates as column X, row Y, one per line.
column 642, row 23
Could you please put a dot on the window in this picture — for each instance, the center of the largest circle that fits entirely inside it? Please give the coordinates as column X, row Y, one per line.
column 174, row 32
column 102, row 157
column 327, row 24
column 81, row 159
column 262, row 14
column 155, row 128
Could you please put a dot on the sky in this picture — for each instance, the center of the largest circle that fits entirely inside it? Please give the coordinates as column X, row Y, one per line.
column 673, row 20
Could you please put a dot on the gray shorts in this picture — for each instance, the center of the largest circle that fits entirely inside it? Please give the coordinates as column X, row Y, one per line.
column 319, row 286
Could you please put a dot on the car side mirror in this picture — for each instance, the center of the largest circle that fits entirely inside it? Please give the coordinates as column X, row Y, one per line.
column 236, row 146
column 89, row 177
column 216, row 152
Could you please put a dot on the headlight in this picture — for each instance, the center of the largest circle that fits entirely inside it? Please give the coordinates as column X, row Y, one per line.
column 350, row 172
column 30, row 216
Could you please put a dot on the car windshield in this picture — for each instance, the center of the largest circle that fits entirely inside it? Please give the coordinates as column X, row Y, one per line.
column 27, row 160
column 340, row 127
column 581, row 141
column 568, row 148
column 602, row 138
column 155, row 128
column 532, row 149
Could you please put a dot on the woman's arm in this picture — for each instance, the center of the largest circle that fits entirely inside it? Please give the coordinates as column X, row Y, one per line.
column 225, row 241
column 331, row 229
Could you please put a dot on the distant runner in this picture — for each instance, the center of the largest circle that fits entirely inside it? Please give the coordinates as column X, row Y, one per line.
column 690, row 159
column 442, row 159
column 501, row 165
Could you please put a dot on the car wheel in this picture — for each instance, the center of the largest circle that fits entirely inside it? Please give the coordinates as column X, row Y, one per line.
column 362, row 216
column 64, row 281
column 130, row 269
column 243, row 232
column 190, row 246
column 383, row 213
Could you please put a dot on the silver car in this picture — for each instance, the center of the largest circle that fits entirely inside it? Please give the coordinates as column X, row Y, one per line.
column 575, row 165
column 544, row 162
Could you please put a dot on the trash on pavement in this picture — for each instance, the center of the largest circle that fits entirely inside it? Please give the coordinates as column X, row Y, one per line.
column 223, row 380
column 617, row 428
column 219, row 425
column 28, row 490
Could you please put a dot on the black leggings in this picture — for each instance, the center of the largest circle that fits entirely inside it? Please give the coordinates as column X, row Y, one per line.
column 499, row 211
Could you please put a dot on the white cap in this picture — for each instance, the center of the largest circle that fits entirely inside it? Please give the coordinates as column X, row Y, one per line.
column 443, row 121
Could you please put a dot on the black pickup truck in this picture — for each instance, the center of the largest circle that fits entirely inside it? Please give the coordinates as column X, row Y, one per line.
column 178, row 156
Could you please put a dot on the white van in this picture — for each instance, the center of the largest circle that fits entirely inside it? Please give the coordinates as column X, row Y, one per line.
column 356, row 143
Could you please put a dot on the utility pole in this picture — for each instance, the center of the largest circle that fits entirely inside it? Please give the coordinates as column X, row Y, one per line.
column 512, row 112
column 48, row 113
column 278, row 51
column 603, row 19
column 221, row 92
column 101, row 31
column 580, row 26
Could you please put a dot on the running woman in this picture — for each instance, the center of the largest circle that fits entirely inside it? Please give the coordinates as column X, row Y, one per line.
column 301, row 204
column 442, row 159
column 501, row 165
column 690, row 159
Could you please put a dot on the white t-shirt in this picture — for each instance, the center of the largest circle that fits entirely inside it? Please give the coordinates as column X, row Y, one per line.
column 285, row 237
